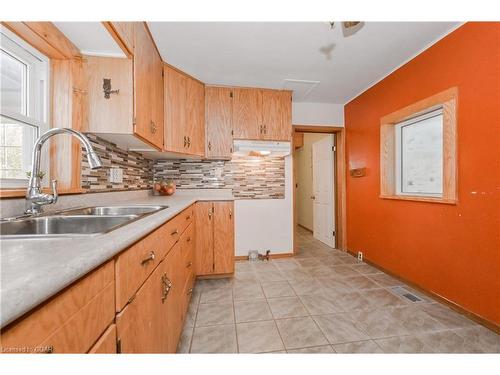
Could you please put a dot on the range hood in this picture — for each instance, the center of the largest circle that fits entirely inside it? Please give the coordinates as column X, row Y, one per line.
column 261, row 148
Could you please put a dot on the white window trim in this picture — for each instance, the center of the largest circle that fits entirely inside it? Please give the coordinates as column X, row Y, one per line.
column 38, row 110
column 398, row 134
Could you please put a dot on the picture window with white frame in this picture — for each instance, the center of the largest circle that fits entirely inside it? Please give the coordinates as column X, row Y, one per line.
column 419, row 155
column 24, row 81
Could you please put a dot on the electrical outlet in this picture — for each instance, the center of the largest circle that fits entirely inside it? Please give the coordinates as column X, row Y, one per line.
column 360, row 256
column 116, row 175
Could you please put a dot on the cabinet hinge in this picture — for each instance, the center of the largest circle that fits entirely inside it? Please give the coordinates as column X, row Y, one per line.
column 232, row 132
column 134, row 121
column 118, row 345
column 334, row 148
column 231, row 94
column 333, row 233
column 162, row 73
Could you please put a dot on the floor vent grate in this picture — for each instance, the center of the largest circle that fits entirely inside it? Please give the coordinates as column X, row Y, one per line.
column 407, row 295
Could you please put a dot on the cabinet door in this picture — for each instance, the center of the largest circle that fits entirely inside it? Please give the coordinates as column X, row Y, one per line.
column 218, row 112
column 204, row 246
column 271, row 114
column 175, row 85
column 195, row 127
column 174, row 274
column 247, row 113
column 111, row 115
column 141, row 326
column 223, row 237
column 146, row 80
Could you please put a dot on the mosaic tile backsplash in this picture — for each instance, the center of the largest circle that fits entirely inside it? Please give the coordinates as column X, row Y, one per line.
column 137, row 170
column 249, row 178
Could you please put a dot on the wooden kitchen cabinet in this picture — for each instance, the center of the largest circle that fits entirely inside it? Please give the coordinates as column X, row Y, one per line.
column 214, row 228
column 148, row 87
column 184, row 109
column 247, row 113
column 131, row 114
column 262, row 114
column 70, row 322
column 223, row 237
column 219, row 122
column 152, row 303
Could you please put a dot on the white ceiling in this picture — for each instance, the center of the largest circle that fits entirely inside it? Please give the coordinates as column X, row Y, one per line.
column 264, row 54
column 91, row 38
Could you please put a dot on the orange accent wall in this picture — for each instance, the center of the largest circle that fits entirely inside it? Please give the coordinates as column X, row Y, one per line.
column 451, row 250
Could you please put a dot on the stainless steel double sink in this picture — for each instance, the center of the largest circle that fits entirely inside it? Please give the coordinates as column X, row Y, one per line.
column 77, row 221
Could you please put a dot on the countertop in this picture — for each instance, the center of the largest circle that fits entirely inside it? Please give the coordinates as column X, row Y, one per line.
column 33, row 270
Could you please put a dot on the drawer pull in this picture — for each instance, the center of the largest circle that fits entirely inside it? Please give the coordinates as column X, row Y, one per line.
column 150, row 257
column 190, row 291
column 189, row 264
column 174, row 232
column 188, row 217
column 230, row 214
column 188, row 239
column 167, row 285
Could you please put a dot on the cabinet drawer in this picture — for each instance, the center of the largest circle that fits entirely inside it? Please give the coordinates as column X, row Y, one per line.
column 135, row 264
column 106, row 343
column 83, row 328
column 71, row 321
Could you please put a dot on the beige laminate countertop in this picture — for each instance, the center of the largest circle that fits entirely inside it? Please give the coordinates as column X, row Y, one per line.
column 33, row 270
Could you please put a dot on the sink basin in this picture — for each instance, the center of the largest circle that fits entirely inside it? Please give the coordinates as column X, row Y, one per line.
column 78, row 221
column 114, row 210
column 62, row 225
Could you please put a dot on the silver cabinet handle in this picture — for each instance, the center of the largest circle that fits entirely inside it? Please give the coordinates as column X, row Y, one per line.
column 151, row 256
column 174, row 232
column 167, row 285
column 189, row 264
column 230, row 213
column 209, row 146
column 190, row 291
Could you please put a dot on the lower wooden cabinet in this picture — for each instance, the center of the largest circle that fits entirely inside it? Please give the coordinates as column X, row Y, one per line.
column 214, row 254
column 70, row 322
column 152, row 294
column 152, row 321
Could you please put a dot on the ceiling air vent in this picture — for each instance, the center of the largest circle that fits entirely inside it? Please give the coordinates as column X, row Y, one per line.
column 301, row 88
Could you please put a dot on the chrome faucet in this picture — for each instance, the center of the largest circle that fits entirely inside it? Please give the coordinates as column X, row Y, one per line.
column 35, row 199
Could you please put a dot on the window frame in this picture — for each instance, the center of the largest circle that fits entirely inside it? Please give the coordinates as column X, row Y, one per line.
column 37, row 106
column 389, row 163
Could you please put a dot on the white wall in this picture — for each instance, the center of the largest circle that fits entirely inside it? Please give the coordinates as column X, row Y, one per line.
column 318, row 114
column 267, row 224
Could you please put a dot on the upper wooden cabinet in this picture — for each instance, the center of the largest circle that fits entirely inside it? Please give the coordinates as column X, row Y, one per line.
column 133, row 104
column 184, row 109
column 262, row 114
column 148, row 87
column 219, row 124
column 247, row 113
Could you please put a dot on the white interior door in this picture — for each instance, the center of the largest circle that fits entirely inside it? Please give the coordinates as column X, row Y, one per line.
column 323, row 190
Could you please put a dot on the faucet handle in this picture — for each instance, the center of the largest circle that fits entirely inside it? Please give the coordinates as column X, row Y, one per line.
column 54, row 191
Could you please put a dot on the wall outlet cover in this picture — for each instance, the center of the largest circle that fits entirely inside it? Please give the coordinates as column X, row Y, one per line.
column 116, row 175
column 360, row 256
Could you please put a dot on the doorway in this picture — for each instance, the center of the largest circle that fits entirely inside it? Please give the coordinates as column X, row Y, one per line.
column 319, row 185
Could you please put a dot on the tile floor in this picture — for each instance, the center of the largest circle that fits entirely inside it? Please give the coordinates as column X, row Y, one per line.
column 322, row 301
